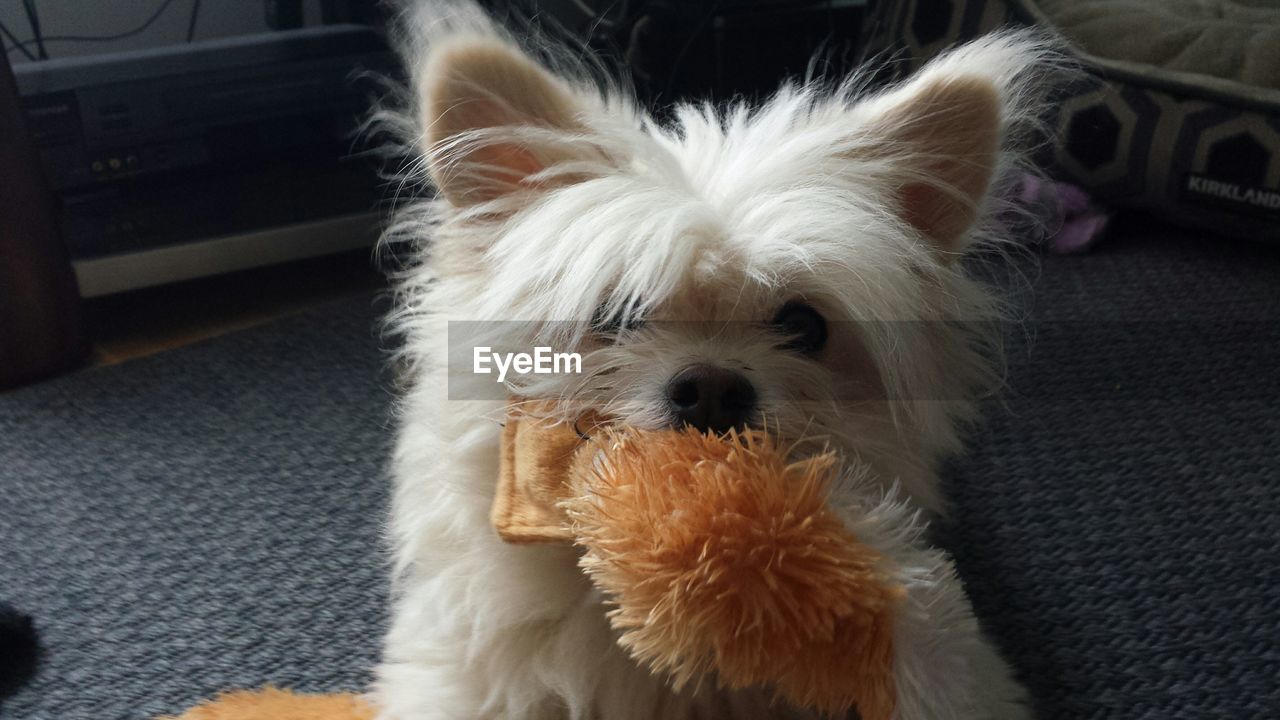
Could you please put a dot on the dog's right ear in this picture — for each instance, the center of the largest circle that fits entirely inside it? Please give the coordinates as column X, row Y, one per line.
column 944, row 138
column 491, row 119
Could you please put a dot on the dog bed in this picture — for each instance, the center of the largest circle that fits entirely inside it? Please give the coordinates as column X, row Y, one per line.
column 1180, row 109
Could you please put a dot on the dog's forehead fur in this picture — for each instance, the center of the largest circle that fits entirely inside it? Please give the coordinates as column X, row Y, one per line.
column 720, row 210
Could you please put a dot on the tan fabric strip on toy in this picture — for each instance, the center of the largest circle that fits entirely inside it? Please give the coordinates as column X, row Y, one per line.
column 537, row 455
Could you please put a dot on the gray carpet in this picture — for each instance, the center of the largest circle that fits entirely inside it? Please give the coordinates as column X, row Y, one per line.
column 210, row 517
column 204, row 519
column 1118, row 521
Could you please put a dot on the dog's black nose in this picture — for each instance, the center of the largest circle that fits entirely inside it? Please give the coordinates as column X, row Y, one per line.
column 711, row 398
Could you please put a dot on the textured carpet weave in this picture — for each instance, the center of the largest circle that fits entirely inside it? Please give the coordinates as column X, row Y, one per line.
column 205, row 519
column 210, row 518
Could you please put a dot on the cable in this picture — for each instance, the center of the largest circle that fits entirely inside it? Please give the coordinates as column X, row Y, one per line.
column 33, row 19
column 97, row 38
column 620, row 10
column 17, row 44
column 586, row 9
column 191, row 24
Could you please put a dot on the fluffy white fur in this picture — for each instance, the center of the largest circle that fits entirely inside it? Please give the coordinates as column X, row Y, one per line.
column 560, row 198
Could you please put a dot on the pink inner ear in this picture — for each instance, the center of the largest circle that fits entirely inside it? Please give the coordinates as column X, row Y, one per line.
column 504, row 166
column 473, row 86
column 518, row 160
column 951, row 126
column 917, row 208
column 942, row 218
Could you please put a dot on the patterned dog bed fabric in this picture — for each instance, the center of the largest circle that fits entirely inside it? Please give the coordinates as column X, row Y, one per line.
column 1230, row 39
column 1201, row 148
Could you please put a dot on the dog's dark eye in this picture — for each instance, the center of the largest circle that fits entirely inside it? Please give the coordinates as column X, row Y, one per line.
column 803, row 327
column 605, row 323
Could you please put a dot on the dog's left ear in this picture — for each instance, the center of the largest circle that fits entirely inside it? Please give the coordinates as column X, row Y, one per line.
column 939, row 138
column 491, row 119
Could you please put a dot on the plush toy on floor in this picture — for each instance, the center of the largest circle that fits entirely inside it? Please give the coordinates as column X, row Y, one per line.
column 724, row 562
column 272, row 703
column 275, row 704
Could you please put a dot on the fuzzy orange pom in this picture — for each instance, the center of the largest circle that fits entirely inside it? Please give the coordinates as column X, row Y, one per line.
column 720, row 556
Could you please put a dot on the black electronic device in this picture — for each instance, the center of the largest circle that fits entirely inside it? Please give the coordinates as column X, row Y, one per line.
column 194, row 159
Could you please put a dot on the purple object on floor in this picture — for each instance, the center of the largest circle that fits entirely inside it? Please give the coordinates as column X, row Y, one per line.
column 1075, row 224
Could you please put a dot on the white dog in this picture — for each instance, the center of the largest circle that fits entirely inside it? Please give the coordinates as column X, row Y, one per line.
column 815, row 240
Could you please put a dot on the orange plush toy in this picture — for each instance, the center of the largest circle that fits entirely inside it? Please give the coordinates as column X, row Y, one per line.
column 721, row 559
column 719, row 556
